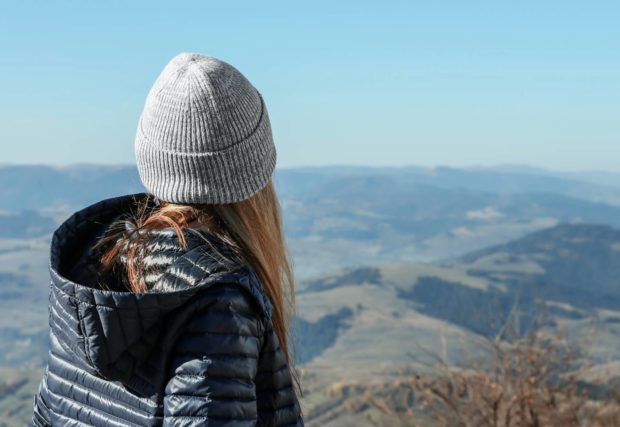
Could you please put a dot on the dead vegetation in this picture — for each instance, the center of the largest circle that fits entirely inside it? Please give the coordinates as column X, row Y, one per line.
column 533, row 379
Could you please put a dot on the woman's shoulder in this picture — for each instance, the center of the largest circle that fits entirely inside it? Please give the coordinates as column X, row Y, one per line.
column 217, row 270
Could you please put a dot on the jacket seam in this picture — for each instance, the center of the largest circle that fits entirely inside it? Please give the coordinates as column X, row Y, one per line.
column 85, row 340
column 96, row 411
column 150, row 403
column 102, row 396
column 198, row 333
column 216, row 278
column 199, row 353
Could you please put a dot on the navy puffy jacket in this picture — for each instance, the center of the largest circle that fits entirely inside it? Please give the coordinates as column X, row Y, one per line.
column 200, row 351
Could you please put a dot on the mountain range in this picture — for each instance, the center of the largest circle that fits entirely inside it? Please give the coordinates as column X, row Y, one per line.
column 342, row 216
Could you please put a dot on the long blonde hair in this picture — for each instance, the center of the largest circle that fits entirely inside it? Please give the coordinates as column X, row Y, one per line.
column 254, row 228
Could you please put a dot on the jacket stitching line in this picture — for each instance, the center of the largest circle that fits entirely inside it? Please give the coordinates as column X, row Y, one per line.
column 197, row 353
column 62, row 326
column 81, row 423
column 188, row 291
column 235, row 334
column 103, row 397
column 85, row 340
column 182, row 374
column 67, row 362
column 85, row 406
column 192, row 396
column 65, row 313
column 180, row 417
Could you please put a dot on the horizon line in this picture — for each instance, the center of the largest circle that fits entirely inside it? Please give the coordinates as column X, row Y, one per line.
column 500, row 167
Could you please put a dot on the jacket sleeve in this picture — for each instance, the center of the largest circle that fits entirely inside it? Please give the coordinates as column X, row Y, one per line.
column 214, row 364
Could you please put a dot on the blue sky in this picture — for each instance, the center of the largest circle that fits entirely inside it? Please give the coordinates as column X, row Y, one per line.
column 346, row 82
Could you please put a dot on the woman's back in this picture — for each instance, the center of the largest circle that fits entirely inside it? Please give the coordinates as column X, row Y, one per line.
column 155, row 321
column 198, row 349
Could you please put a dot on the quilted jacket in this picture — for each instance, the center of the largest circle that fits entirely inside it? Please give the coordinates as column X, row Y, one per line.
column 198, row 350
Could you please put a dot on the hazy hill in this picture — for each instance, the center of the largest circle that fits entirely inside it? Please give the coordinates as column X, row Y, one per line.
column 37, row 186
column 402, row 313
column 573, row 269
column 34, row 186
column 341, row 216
column 580, row 264
column 47, row 187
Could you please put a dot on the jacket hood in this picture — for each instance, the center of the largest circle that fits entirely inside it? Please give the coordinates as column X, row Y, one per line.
column 121, row 335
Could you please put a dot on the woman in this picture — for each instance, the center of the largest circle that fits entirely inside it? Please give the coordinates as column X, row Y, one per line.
column 171, row 307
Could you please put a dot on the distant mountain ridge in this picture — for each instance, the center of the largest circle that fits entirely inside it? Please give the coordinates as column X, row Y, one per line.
column 33, row 186
column 38, row 186
column 579, row 257
column 336, row 216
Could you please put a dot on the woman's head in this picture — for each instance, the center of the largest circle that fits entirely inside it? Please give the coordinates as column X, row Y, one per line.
column 204, row 148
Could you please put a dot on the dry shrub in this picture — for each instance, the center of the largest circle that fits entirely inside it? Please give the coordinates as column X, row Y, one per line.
column 528, row 380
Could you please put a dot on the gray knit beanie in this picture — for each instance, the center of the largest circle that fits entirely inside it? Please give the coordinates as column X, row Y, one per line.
column 204, row 135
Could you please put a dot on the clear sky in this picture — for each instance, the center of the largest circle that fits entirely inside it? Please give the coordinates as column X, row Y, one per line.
column 346, row 82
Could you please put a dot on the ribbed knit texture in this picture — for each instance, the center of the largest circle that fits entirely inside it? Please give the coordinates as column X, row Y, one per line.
column 204, row 135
